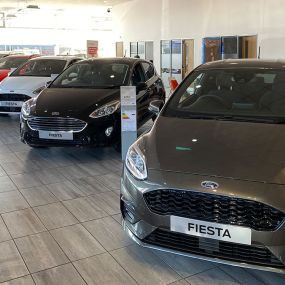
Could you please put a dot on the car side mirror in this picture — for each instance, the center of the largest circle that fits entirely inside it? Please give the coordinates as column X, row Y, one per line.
column 47, row 84
column 155, row 106
column 141, row 86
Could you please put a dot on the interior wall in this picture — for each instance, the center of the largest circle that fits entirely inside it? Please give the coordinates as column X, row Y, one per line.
column 150, row 20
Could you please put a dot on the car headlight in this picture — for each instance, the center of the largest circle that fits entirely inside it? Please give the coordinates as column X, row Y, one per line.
column 105, row 110
column 26, row 109
column 39, row 90
column 135, row 163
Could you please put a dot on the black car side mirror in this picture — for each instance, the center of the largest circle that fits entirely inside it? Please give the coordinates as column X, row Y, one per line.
column 141, row 86
column 155, row 106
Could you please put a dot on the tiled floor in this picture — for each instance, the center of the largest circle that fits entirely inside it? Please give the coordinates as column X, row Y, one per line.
column 60, row 224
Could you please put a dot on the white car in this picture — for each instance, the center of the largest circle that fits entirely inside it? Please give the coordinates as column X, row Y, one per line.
column 29, row 80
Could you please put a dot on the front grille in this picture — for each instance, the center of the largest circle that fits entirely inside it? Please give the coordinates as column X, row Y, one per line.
column 56, row 124
column 251, row 254
column 13, row 97
column 214, row 208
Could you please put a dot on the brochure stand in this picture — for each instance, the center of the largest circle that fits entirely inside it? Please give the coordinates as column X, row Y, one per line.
column 128, row 118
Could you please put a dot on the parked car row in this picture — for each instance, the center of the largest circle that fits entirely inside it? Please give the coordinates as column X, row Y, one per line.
column 207, row 181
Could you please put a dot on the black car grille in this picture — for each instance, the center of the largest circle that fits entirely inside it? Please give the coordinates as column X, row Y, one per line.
column 214, row 208
column 12, row 97
column 251, row 254
column 56, row 124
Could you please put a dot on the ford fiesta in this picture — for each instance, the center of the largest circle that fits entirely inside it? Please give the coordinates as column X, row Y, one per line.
column 82, row 106
column 208, row 180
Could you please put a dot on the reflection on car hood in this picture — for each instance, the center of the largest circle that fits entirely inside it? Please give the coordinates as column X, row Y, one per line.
column 79, row 102
column 238, row 150
column 22, row 83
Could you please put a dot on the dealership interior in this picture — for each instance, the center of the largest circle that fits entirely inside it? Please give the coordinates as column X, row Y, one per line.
column 108, row 175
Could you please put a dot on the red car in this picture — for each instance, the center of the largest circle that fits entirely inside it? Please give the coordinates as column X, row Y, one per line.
column 11, row 62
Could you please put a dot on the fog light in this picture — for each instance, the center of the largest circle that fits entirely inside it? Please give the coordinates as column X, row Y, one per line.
column 109, row 131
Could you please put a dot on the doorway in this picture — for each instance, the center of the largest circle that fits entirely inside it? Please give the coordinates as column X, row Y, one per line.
column 187, row 57
column 248, row 47
column 143, row 50
column 119, row 49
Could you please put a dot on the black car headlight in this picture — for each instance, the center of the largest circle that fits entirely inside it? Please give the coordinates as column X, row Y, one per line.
column 105, row 110
column 135, row 163
column 26, row 109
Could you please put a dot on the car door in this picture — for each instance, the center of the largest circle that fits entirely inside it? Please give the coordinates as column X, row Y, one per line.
column 138, row 80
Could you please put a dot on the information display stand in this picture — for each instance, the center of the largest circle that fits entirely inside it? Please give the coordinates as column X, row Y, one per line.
column 128, row 118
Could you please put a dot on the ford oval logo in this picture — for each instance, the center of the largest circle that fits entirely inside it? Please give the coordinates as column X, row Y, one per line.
column 210, row 185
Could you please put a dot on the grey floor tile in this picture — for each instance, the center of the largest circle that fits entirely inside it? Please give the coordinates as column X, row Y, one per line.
column 77, row 242
column 103, row 270
column 48, row 176
column 118, row 218
column 2, row 172
column 181, row 282
column 7, row 156
column 4, row 150
column 17, row 167
column 94, row 168
column 90, row 185
column 58, row 157
column 213, row 276
column 108, row 201
column 65, row 190
column 37, row 196
column 155, row 271
column 4, row 234
column 55, row 216
column 11, row 263
column 84, row 209
column 40, row 252
column 113, row 165
column 61, row 275
column 12, row 201
column 111, row 180
column 108, row 232
column 184, row 266
column 241, row 275
column 26, row 280
column 268, row 278
column 73, row 171
column 25, row 180
column 22, row 223
column 6, row 184
column 18, row 146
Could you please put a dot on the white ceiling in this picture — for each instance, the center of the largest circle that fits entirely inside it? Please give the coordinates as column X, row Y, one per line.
column 60, row 4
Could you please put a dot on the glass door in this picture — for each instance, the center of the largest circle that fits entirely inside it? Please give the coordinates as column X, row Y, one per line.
column 165, row 53
column 211, row 49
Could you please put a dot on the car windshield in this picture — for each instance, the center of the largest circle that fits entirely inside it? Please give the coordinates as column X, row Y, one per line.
column 12, row 62
column 96, row 74
column 41, row 68
column 231, row 94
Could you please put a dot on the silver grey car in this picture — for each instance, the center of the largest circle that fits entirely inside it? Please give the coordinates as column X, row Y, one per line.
column 208, row 180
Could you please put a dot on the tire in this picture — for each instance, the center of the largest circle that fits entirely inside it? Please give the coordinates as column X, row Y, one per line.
column 118, row 146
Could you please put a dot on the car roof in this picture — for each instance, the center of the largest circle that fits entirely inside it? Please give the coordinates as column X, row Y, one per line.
column 244, row 63
column 126, row 60
column 61, row 57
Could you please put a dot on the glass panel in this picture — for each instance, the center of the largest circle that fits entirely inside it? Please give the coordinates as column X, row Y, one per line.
column 133, row 49
column 229, row 47
column 165, row 51
column 176, row 71
column 141, row 50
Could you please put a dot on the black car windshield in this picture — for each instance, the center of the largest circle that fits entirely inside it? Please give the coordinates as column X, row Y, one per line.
column 246, row 94
column 41, row 68
column 12, row 62
column 95, row 74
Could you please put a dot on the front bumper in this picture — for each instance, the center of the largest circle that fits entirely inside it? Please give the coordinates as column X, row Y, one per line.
column 12, row 102
column 92, row 135
column 142, row 225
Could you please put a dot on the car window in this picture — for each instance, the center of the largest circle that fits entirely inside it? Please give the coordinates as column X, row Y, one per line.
column 41, row 68
column 96, row 74
column 230, row 92
column 138, row 75
column 12, row 62
column 148, row 70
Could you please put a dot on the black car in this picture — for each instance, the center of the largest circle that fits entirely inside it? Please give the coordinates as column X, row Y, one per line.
column 82, row 105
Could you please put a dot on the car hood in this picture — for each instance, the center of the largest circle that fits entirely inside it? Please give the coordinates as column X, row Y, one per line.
column 236, row 150
column 19, row 83
column 73, row 101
